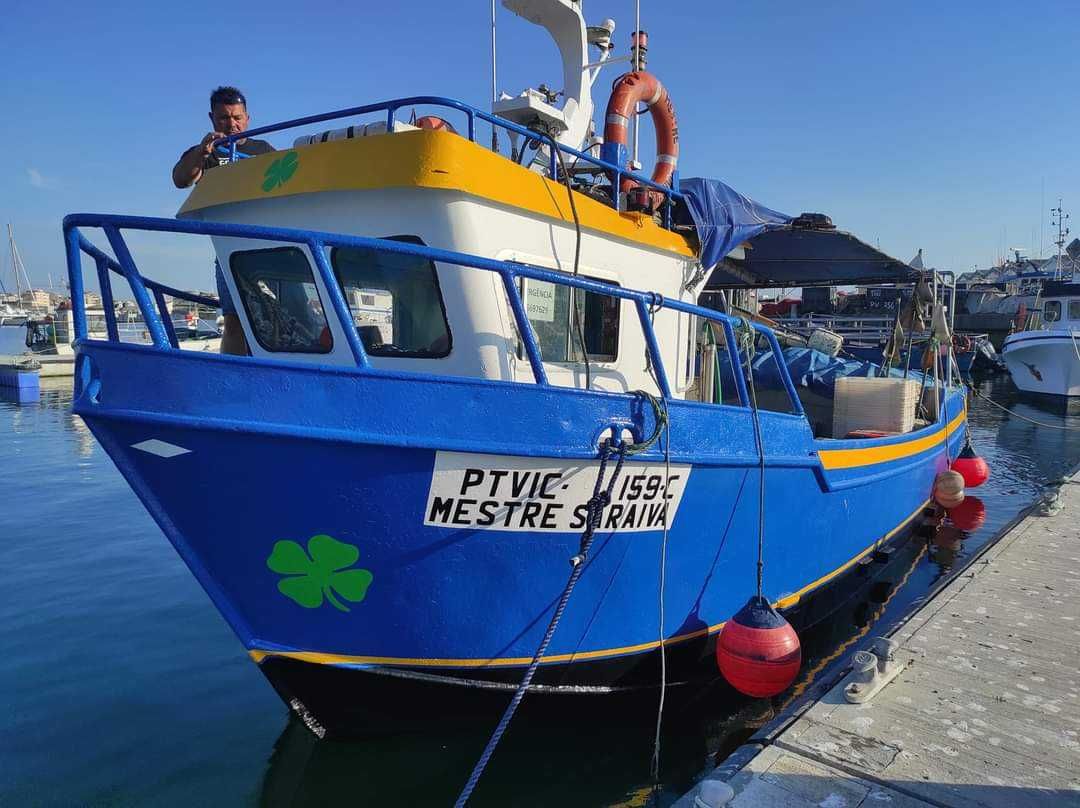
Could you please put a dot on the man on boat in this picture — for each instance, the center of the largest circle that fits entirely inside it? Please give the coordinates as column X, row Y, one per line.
column 229, row 116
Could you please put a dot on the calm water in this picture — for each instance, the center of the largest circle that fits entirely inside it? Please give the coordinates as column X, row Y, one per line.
column 122, row 686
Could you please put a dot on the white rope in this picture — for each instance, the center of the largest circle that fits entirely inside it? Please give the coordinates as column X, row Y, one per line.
column 989, row 400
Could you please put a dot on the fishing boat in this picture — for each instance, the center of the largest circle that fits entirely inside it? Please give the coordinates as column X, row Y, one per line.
column 1044, row 357
column 384, row 512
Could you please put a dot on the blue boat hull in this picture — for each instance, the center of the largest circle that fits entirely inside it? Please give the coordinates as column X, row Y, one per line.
column 249, row 455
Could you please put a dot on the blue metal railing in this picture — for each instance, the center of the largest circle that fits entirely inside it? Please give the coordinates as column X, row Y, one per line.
column 646, row 304
column 614, row 172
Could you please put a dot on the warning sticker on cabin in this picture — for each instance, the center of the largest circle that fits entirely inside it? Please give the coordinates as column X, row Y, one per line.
column 496, row 492
column 540, row 301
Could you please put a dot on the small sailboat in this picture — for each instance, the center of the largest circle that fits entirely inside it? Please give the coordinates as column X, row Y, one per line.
column 461, row 362
column 12, row 311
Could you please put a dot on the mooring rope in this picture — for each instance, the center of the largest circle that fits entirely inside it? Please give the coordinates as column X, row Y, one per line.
column 610, row 447
column 986, row 398
column 655, row 768
column 746, row 338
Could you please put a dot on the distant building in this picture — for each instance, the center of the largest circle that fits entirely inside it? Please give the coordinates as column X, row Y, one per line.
column 36, row 298
column 179, row 306
column 92, row 300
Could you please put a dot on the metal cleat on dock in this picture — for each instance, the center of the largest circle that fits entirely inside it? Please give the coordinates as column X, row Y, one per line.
column 873, row 669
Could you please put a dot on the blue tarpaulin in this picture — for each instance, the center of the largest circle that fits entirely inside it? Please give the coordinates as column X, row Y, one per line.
column 810, row 369
column 784, row 251
column 724, row 218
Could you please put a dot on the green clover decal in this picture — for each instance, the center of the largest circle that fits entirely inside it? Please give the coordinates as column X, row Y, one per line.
column 280, row 171
column 322, row 574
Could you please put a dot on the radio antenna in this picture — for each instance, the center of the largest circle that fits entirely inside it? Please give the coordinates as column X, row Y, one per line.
column 494, row 82
column 636, row 54
column 1058, row 219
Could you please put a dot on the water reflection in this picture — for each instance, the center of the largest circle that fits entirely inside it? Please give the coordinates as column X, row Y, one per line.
column 20, row 395
column 53, row 398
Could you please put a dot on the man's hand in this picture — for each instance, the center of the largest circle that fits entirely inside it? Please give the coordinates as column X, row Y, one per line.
column 207, row 142
column 188, row 168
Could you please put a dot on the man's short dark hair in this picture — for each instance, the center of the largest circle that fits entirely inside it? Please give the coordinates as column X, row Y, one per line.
column 227, row 96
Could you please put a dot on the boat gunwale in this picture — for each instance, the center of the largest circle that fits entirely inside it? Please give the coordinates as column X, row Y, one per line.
column 811, row 460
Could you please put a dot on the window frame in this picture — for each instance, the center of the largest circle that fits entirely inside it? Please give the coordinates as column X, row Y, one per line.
column 1074, row 302
column 247, row 311
column 571, row 325
column 406, row 239
column 1045, row 313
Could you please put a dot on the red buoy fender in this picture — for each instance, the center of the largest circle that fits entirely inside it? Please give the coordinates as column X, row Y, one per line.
column 758, row 651
column 628, row 91
column 971, row 467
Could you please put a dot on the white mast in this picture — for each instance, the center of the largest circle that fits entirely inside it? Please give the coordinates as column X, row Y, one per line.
column 16, row 264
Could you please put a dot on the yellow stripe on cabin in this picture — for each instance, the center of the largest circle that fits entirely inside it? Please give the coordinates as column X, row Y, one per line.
column 423, row 159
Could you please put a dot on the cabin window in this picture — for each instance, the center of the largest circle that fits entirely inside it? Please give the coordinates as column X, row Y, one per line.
column 394, row 300
column 278, row 293
column 1074, row 309
column 1052, row 311
column 548, row 307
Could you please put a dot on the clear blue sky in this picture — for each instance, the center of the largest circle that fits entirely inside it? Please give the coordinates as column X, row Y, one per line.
column 918, row 124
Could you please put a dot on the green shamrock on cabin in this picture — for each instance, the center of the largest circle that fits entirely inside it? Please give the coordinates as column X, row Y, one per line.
column 320, row 572
column 280, row 171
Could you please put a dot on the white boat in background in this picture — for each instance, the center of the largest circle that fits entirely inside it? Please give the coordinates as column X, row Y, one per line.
column 12, row 315
column 1045, row 356
column 49, row 340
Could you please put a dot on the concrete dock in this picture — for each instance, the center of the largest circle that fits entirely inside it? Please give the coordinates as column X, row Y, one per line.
column 986, row 711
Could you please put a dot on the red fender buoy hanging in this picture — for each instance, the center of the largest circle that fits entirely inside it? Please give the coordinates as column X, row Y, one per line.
column 969, row 515
column 758, row 651
column 971, row 467
column 630, row 89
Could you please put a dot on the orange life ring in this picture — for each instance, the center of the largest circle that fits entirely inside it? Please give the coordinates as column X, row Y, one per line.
column 628, row 90
column 436, row 123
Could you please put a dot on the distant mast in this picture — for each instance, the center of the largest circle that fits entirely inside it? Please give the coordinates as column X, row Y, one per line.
column 1058, row 218
column 17, row 264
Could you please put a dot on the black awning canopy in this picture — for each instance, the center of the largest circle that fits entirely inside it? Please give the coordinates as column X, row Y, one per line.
column 797, row 256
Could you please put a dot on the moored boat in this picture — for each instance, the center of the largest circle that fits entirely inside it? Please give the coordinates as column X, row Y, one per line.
column 1044, row 358
column 385, row 508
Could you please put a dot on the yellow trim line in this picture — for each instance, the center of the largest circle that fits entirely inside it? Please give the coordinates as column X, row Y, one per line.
column 437, row 161
column 832, row 459
column 258, row 655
